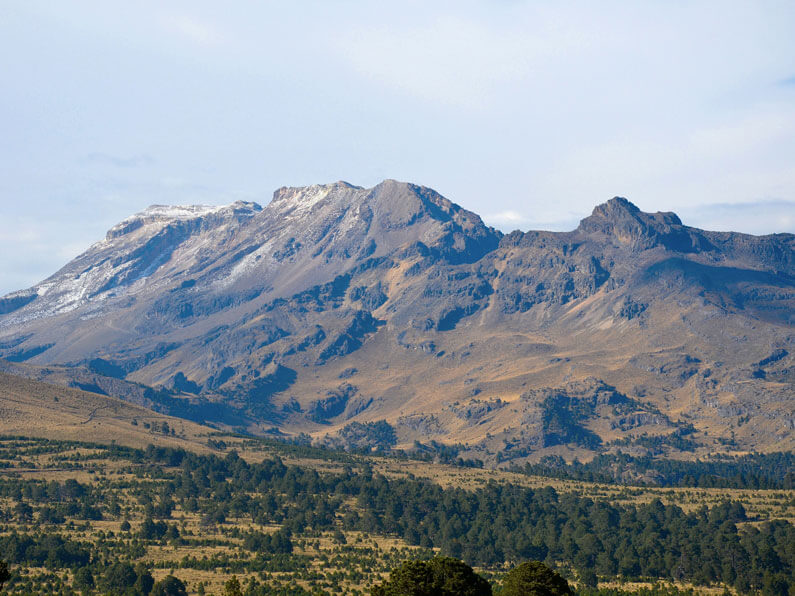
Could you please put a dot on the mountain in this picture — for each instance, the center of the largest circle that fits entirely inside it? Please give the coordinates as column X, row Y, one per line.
column 335, row 306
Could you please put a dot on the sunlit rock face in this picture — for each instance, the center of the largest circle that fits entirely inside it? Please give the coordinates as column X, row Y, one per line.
column 335, row 303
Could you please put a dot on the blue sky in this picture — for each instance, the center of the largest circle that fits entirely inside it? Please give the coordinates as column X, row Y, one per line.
column 529, row 113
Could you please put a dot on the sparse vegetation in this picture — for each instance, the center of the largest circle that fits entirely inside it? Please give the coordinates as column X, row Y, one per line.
column 85, row 517
column 754, row 471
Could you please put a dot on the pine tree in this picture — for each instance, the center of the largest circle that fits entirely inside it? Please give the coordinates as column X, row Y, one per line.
column 533, row 578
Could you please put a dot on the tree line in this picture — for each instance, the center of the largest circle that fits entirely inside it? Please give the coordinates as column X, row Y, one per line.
column 494, row 525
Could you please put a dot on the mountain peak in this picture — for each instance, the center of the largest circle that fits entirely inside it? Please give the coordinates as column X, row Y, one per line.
column 293, row 193
column 625, row 222
column 616, row 206
column 391, row 213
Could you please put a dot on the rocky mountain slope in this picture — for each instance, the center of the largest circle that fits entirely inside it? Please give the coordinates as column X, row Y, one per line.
column 336, row 306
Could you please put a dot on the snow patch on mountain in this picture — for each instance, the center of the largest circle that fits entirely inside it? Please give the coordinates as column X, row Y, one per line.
column 161, row 215
column 260, row 259
column 180, row 211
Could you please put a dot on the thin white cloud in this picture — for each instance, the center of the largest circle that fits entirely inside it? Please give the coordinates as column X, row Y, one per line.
column 762, row 217
column 191, row 28
column 508, row 218
column 133, row 161
column 508, row 221
column 455, row 61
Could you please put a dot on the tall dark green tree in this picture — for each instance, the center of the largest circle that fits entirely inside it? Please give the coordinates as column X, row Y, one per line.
column 84, row 579
column 533, row 578
column 5, row 574
column 441, row 576
column 232, row 587
column 119, row 577
column 169, row 586
column 122, row 579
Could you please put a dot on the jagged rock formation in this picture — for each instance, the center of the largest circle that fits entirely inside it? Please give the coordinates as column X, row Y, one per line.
column 337, row 304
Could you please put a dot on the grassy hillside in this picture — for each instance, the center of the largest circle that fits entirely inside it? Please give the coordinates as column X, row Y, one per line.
column 36, row 409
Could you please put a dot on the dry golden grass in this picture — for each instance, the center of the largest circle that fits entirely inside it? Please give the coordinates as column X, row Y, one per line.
column 35, row 409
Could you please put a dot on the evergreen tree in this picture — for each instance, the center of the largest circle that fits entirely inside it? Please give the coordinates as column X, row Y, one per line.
column 84, row 579
column 169, row 586
column 232, row 587
column 441, row 576
column 533, row 578
column 5, row 575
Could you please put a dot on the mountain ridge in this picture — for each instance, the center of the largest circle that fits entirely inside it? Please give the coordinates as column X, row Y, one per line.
column 335, row 304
